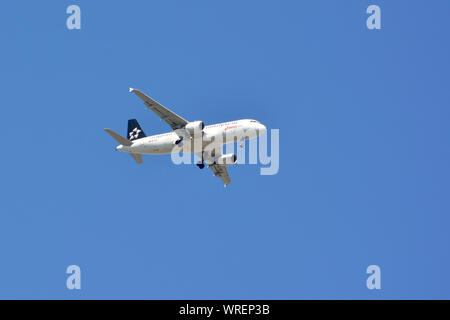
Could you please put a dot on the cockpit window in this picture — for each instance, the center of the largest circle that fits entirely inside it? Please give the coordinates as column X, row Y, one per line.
column 254, row 121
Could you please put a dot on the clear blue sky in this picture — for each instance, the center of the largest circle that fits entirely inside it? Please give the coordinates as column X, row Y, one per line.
column 364, row 150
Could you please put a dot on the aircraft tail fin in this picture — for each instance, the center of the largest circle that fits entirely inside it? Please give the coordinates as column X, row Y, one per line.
column 118, row 137
column 134, row 131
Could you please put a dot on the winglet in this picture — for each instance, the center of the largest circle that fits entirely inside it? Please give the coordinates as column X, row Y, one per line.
column 131, row 89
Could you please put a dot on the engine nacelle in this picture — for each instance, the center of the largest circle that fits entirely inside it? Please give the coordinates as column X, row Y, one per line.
column 195, row 126
column 227, row 159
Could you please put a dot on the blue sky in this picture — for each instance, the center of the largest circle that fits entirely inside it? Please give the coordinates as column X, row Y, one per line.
column 364, row 150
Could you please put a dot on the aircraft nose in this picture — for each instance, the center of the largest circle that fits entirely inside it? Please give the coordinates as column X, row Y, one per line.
column 262, row 129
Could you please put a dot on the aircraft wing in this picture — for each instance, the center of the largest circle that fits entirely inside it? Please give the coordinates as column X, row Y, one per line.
column 172, row 119
column 221, row 172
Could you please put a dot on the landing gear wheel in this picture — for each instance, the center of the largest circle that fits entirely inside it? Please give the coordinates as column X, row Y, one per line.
column 178, row 142
column 201, row 165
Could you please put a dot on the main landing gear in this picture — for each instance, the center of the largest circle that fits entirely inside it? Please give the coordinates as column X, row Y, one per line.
column 178, row 142
column 200, row 164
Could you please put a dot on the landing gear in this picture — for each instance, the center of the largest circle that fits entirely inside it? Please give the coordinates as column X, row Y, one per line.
column 179, row 141
column 201, row 165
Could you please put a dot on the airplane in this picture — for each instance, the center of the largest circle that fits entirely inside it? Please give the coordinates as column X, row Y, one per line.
column 194, row 133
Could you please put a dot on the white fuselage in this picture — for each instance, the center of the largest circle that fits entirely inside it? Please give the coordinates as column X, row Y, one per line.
column 220, row 133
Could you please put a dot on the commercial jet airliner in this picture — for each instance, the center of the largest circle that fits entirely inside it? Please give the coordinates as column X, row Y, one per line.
column 193, row 137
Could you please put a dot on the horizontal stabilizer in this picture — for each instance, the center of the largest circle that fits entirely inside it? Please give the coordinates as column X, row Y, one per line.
column 137, row 157
column 118, row 137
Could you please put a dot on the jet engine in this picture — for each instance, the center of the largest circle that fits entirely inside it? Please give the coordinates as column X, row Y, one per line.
column 227, row 159
column 195, row 126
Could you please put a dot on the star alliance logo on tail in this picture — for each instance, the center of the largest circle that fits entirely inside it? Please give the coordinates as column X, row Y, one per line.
column 134, row 134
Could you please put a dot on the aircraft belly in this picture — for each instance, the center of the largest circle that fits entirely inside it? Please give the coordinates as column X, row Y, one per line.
column 158, row 149
column 167, row 147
